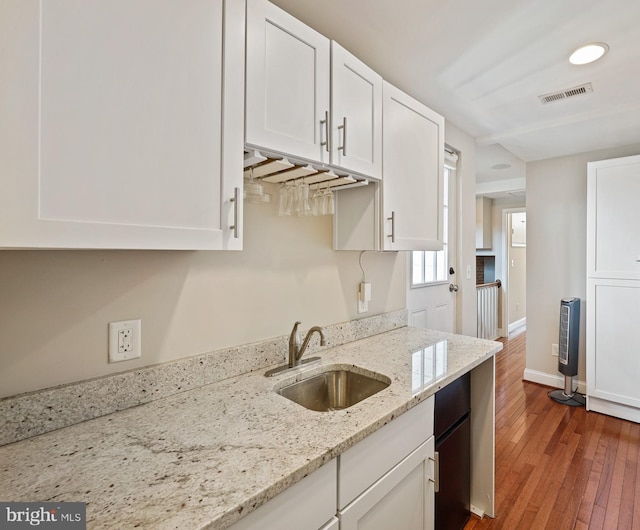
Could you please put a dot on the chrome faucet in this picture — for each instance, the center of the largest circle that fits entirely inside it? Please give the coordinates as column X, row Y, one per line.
column 295, row 349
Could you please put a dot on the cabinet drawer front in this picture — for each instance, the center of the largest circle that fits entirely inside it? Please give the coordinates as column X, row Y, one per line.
column 374, row 456
column 403, row 498
column 308, row 504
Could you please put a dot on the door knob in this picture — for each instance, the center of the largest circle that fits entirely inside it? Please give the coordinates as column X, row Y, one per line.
column 453, row 288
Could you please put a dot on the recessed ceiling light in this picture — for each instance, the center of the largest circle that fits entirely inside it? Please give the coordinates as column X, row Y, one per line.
column 588, row 53
column 501, row 166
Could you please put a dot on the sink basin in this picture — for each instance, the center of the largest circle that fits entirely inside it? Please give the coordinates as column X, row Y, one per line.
column 335, row 388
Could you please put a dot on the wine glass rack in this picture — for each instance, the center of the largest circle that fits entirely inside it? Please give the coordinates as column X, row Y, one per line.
column 277, row 169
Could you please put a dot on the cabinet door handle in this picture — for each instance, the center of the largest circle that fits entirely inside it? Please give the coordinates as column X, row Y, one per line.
column 393, row 226
column 436, row 471
column 325, row 122
column 343, row 147
column 235, row 225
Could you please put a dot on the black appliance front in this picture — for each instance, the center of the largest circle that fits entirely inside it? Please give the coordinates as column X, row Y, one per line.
column 453, row 445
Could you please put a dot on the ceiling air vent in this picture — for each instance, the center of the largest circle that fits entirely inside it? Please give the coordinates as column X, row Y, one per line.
column 567, row 93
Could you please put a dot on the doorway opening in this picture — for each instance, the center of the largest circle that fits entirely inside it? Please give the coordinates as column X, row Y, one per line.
column 515, row 267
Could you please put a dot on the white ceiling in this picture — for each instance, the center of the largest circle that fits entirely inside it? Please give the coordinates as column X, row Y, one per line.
column 483, row 64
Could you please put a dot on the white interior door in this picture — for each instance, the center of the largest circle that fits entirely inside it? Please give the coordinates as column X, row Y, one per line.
column 432, row 287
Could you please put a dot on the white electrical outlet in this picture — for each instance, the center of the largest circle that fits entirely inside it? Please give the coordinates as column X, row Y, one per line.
column 554, row 350
column 363, row 306
column 125, row 340
column 364, row 295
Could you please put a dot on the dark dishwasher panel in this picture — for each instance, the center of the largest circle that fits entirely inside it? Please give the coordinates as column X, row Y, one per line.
column 452, row 402
column 453, row 439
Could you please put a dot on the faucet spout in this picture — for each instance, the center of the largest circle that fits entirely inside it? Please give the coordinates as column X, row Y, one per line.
column 296, row 350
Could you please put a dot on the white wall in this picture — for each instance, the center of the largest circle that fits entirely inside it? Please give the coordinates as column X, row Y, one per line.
column 55, row 305
column 556, row 252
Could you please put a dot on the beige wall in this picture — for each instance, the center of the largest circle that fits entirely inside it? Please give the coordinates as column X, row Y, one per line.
column 55, row 305
column 556, row 251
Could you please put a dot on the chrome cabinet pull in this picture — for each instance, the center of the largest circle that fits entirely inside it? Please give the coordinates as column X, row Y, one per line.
column 325, row 122
column 393, row 226
column 343, row 147
column 436, row 471
column 235, row 225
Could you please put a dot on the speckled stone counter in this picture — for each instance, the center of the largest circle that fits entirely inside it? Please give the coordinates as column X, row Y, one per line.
column 206, row 457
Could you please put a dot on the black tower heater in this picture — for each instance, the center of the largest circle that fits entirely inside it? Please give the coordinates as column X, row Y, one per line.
column 568, row 352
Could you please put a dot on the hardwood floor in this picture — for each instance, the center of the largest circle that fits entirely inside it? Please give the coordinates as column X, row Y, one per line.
column 558, row 467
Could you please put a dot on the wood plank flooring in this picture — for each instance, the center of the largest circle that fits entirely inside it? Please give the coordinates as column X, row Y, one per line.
column 558, row 467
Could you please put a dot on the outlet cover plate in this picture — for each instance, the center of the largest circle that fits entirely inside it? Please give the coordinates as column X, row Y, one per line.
column 125, row 340
column 363, row 307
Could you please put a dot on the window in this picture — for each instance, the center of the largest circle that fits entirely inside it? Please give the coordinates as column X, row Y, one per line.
column 431, row 266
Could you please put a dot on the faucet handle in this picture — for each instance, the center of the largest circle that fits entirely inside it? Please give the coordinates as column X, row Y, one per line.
column 294, row 337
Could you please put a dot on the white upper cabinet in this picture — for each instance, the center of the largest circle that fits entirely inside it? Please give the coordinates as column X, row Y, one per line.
column 287, row 84
column 413, row 173
column 356, row 114
column 614, row 238
column 111, row 129
column 307, row 97
column 406, row 211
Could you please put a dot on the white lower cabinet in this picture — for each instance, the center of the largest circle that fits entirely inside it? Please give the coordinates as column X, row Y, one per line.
column 402, row 498
column 308, row 505
column 385, row 481
column 612, row 354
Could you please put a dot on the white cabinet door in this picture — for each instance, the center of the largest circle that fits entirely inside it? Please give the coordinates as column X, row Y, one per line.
column 413, row 173
column 112, row 130
column 613, row 363
column 403, row 498
column 356, row 114
column 309, row 504
column 287, row 84
column 614, row 189
column 364, row 463
column 407, row 212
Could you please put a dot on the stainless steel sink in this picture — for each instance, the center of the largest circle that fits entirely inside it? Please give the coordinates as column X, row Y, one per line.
column 335, row 388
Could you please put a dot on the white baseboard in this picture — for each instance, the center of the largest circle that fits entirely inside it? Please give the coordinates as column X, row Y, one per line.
column 554, row 380
column 517, row 324
column 610, row 408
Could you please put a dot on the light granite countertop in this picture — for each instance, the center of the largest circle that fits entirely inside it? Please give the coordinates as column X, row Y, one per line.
column 206, row 457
